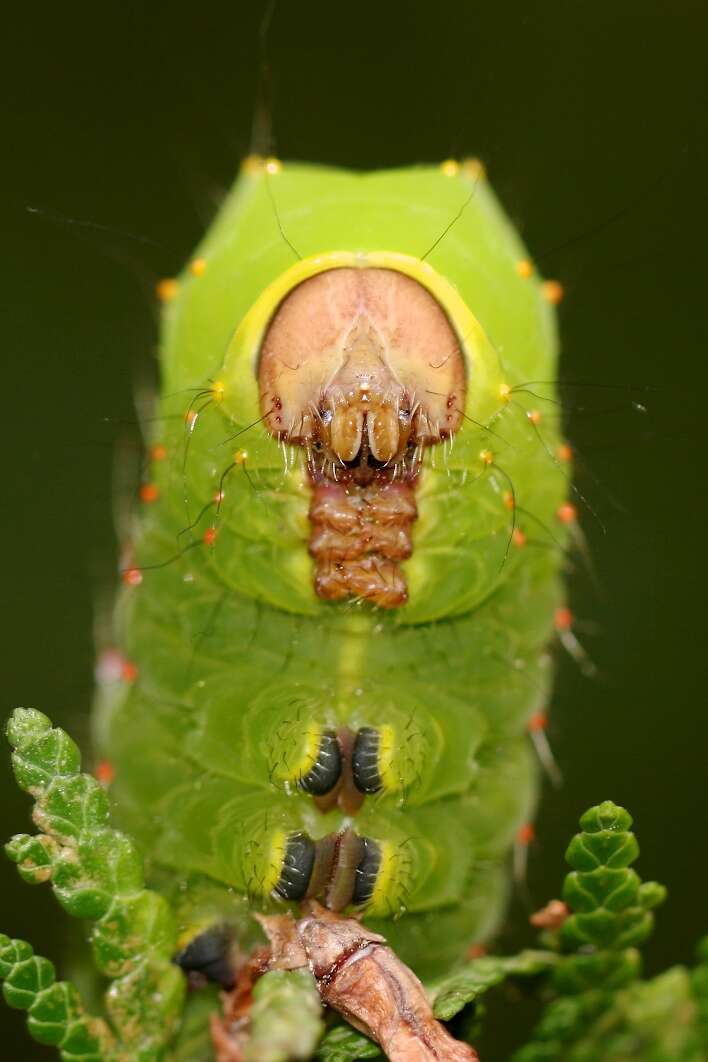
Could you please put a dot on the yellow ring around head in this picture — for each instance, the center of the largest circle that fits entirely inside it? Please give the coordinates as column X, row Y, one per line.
column 239, row 374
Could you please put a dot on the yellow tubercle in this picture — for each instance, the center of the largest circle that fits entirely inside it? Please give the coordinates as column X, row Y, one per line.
column 450, row 167
column 197, row 267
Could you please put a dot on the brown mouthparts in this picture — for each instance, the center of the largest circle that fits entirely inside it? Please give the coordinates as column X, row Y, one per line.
column 363, row 369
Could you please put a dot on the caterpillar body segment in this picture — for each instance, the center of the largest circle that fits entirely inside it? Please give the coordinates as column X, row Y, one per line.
column 337, row 640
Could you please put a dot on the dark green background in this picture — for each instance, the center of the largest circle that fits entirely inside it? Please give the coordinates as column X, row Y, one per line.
column 131, row 119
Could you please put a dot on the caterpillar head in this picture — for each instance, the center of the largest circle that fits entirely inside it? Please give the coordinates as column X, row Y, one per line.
column 362, row 367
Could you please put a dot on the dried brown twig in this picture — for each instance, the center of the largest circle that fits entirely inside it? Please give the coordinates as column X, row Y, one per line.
column 358, row 975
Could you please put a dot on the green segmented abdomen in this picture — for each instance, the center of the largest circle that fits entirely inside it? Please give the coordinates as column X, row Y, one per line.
column 269, row 735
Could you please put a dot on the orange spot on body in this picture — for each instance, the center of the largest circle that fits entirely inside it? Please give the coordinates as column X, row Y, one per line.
column 552, row 291
column 473, row 168
column 508, row 499
column 565, row 452
column 104, row 772
column 158, row 452
column 475, row 951
column 190, row 417
column 129, row 671
column 149, row 492
column 524, row 268
column 538, row 721
column 518, row 538
column 167, row 289
column 252, row 164
column 525, row 834
column 219, row 496
column 132, row 577
column 563, row 619
column 197, row 267
column 535, row 416
column 210, row 536
column 567, row 513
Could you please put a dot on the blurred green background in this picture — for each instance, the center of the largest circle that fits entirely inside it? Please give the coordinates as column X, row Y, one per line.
column 125, row 123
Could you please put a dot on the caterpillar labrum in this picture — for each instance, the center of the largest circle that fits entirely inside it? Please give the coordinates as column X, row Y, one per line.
column 347, row 566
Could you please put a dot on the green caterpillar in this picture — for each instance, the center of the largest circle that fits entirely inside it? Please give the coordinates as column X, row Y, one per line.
column 343, row 583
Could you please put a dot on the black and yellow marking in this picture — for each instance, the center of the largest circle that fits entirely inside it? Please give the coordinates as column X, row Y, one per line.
column 208, row 957
column 296, row 870
column 339, row 869
column 325, row 772
column 365, row 761
column 367, row 871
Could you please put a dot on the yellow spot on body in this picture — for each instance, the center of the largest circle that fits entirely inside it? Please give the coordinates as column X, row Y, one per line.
column 352, row 658
column 274, row 861
column 386, row 748
column 240, row 457
column 505, row 392
column 310, row 750
column 524, row 268
column 217, row 390
column 552, row 291
column 474, row 168
column 389, row 888
column 450, row 167
column 167, row 289
column 197, row 267
column 190, row 932
column 486, row 457
column 273, row 166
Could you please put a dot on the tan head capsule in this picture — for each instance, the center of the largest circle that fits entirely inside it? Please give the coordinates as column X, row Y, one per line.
column 364, row 363
column 362, row 367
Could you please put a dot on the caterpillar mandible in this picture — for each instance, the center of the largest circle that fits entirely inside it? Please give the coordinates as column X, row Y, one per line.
column 345, row 575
